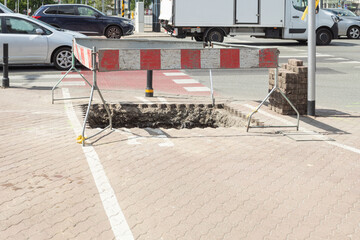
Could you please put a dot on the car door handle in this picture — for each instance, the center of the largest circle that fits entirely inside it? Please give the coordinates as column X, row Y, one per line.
column 296, row 17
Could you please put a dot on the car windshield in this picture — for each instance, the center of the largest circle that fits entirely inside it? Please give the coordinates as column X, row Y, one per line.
column 6, row 8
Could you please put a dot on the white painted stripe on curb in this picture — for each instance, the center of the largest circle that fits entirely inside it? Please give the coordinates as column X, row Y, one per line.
column 197, row 89
column 163, row 100
column 185, row 81
column 172, row 74
column 144, row 100
column 110, row 203
column 321, row 137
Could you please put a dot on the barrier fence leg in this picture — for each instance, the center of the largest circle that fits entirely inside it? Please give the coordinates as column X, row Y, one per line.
column 105, row 106
column 5, row 80
column 82, row 138
column 149, row 91
column 276, row 87
column 70, row 70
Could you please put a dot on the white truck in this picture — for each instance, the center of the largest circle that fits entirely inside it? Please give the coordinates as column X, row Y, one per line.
column 212, row 20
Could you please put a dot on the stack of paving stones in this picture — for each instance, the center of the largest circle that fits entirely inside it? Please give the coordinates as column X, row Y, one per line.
column 292, row 80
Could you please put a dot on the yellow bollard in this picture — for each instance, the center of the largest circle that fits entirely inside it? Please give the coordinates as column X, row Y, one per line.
column 306, row 10
column 122, row 8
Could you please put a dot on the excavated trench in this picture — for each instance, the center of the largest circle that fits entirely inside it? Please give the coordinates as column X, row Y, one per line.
column 165, row 116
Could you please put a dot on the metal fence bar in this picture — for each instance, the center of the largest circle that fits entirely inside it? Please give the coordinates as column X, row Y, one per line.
column 73, row 68
column 82, row 138
column 276, row 87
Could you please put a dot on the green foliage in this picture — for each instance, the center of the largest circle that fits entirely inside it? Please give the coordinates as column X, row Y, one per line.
column 33, row 4
column 147, row 3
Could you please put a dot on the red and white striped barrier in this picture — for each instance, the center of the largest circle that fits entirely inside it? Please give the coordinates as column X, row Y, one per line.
column 83, row 55
column 167, row 59
column 110, row 59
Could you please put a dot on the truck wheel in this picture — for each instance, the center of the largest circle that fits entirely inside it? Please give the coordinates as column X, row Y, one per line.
column 199, row 39
column 215, row 35
column 353, row 32
column 323, row 37
column 302, row 42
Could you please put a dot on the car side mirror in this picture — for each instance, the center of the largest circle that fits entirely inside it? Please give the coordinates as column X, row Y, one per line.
column 39, row 31
column 97, row 15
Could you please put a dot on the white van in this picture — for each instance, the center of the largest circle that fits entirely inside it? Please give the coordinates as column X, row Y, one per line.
column 212, row 20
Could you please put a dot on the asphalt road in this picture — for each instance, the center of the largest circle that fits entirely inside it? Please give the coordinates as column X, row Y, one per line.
column 337, row 74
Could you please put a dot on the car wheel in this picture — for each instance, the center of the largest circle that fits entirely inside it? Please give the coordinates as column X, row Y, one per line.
column 353, row 32
column 113, row 32
column 215, row 35
column 323, row 37
column 63, row 58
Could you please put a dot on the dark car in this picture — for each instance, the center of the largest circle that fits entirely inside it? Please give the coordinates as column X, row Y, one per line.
column 84, row 19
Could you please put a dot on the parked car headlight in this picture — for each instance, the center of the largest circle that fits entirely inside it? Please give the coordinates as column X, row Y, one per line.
column 335, row 18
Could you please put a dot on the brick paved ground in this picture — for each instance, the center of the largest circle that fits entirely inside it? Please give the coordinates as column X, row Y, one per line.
column 220, row 183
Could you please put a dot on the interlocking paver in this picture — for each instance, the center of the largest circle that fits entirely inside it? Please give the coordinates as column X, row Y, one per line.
column 220, row 183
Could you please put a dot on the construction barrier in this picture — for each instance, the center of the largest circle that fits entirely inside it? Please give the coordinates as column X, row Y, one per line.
column 102, row 55
column 169, row 59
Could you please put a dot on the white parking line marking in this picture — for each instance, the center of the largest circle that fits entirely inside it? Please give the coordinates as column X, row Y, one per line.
column 336, row 59
column 351, row 62
column 172, row 74
column 47, row 84
column 160, row 134
column 163, row 100
column 132, row 139
column 185, row 81
column 319, row 136
column 197, row 89
column 110, row 203
column 45, row 76
column 305, row 56
column 144, row 100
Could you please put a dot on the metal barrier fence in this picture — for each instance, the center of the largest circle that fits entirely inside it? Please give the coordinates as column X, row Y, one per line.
column 101, row 55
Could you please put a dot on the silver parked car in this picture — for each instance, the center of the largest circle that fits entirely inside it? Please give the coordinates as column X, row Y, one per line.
column 349, row 24
column 33, row 42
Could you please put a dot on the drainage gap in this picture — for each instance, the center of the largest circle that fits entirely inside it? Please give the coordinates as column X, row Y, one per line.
column 164, row 116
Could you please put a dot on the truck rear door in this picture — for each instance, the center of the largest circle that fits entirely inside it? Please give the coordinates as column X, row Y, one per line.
column 247, row 11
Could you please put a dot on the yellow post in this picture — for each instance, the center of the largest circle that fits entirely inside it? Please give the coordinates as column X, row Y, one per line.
column 122, row 8
column 306, row 10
